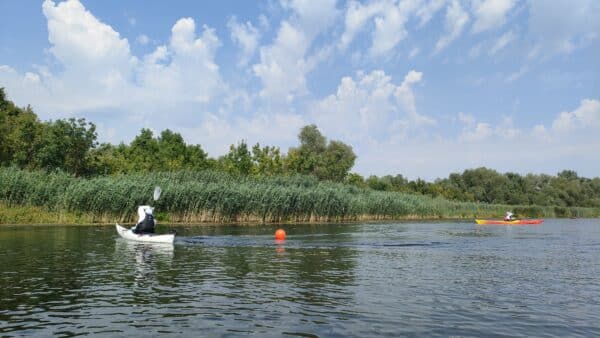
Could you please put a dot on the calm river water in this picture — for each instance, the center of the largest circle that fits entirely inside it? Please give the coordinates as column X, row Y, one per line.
column 444, row 278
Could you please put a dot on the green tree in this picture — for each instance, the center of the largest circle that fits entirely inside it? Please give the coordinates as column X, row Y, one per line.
column 66, row 145
column 144, row 152
column 315, row 157
column 267, row 160
column 171, row 151
column 356, row 179
column 238, row 160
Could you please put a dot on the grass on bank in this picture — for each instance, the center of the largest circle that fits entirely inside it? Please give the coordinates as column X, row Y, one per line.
column 208, row 196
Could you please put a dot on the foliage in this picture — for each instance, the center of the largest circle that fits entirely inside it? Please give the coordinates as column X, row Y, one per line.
column 314, row 156
column 70, row 146
column 485, row 185
column 217, row 196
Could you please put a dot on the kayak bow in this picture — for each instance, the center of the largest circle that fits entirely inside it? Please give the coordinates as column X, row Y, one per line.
column 515, row 222
column 150, row 238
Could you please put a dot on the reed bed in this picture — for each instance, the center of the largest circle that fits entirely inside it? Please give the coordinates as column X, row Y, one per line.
column 209, row 196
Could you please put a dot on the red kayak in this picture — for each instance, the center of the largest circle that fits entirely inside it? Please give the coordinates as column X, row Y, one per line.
column 516, row 222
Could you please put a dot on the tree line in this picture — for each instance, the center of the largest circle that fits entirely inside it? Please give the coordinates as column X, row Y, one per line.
column 71, row 145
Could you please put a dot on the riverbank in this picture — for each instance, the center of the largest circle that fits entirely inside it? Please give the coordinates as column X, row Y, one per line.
column 212, row 197
column 31, row 215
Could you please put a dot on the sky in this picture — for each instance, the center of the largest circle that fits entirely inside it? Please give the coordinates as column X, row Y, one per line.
column 418, row 88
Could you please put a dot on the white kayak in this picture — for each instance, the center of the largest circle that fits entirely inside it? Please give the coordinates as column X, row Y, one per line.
column 151, row 238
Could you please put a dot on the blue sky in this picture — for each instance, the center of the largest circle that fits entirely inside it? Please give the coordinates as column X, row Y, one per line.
column 419, row 88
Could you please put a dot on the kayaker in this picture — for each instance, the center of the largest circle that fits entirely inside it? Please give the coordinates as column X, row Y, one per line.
column 146, row 221
column 508, row 216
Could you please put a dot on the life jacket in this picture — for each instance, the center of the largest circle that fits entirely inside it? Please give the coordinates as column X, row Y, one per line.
column 145, row 226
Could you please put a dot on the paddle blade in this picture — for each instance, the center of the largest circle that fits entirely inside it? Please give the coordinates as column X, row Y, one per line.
column 157, row 192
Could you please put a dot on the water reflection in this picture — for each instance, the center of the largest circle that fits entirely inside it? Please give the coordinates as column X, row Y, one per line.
column 147, row 258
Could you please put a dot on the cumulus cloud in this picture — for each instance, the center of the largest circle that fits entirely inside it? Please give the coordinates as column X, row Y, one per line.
column 285, row 63
column 98, row 72
column 587, row 115
column 389, row 27
column 474, row 131
column 78, row 38
column 370, row 105
column 357, row 16
column 246, row 36
column 455, row 21
column 481, row 132
column 490, row 14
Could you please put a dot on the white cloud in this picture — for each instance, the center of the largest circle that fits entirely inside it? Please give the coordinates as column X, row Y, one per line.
column 540, row 132
column 370, row 106
column 474, row 131
column 99, row 73
column 285, row 63
column 389, row 20
column 357, row 15
column 246, row 36
column 481, row 132
column 490, row 14
column 406, row 97
column 428, row 10
column 78, row 38
column 283, row 67
column 456, row 19
column 389, row 27
column 142, row 39
column 561, row 26
column 507, row 130
column 311, row 17
column 587, row 115
column 503, row 41
column 184, row 70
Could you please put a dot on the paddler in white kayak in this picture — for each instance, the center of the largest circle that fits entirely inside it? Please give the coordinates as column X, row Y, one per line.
column 146, row 221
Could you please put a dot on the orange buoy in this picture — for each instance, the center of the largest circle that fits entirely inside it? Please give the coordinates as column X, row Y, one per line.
column 280, row 234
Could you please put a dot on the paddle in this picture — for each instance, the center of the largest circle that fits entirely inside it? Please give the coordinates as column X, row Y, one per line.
column 157, row 192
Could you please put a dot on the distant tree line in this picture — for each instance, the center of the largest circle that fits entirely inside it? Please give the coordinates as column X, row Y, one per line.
column 566, row 189
column 70, row 145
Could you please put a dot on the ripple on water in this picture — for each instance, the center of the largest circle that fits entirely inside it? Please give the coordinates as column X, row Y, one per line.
column 362, row 280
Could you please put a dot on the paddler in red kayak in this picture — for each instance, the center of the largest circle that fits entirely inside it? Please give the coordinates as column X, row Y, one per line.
column 509, row 216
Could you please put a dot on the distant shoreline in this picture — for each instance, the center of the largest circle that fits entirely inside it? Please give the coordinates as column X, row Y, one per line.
column 33, row 215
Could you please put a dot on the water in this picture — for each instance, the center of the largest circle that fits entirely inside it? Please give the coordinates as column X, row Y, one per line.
column 428, row 279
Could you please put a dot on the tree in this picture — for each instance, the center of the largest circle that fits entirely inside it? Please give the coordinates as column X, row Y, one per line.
column 66, row 144
column 171, row 150
column 267, row 160
column 356, row 179
column 239, row 159
column 335, row 162
column 144, row 152
column 315, row 157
